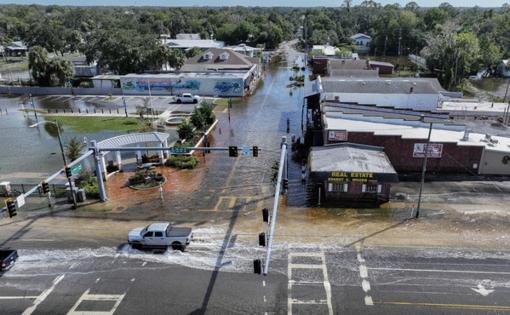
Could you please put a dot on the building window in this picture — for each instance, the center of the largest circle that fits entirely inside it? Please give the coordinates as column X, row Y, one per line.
column 338, row 187
column 371, row 188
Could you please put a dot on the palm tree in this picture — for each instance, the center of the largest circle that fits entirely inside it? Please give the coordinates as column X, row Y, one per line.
column 73, row 148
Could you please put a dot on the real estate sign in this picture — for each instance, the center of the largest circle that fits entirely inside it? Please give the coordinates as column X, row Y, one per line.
column 337, row 135
column 434, row 150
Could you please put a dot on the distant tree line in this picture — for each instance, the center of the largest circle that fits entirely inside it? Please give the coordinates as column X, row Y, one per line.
column 455, row 41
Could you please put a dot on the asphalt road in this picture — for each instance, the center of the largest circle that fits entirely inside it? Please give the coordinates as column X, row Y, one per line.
column 216, row 278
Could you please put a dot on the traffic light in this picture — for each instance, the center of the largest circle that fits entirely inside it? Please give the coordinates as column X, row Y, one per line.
column 232, row 151
column 45, row 187
column 255, row 150
column 11, row 208
column 68, row 172
column 285, row 184
column 257, row 266
column 262, row 239
column 265, row 215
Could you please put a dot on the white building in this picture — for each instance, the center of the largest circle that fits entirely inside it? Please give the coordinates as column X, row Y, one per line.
column 409, row 93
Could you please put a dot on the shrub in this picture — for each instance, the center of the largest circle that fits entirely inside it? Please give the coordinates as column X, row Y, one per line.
column 137, row 178
column 185, row 130
column 182, row 161
column 91, row 190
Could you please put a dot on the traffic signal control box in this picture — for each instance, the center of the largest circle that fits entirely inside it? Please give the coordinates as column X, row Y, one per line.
column 232, row 151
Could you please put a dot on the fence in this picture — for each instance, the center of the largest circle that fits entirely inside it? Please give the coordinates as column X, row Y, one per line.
column 37, row 90
column 57, row 190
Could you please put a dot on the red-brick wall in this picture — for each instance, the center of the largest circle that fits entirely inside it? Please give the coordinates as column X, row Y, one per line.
column 455, row 159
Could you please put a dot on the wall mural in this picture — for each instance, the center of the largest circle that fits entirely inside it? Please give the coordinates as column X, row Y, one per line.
column 223, row 87
column 160, row 85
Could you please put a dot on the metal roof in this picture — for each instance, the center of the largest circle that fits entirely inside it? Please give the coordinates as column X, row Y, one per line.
column 133, row 138
column 350, row 157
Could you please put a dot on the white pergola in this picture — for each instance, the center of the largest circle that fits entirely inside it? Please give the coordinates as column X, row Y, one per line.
column 131, row 139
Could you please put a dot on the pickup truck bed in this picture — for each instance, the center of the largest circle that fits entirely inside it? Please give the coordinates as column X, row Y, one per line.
column 7, row 258
column 179, row 232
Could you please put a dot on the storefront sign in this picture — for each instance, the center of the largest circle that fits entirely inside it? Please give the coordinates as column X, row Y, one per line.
column 337, row 135
column 434, row 150
column 360, row 177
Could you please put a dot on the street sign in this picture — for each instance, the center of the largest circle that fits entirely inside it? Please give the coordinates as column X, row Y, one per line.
column 20, row 201
column 246, row 150
column 179, row 150
column 434, row 150
column 75, row 170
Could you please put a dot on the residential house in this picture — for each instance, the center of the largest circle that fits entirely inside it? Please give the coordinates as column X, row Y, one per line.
column 361, row 42
column 222, row 60
column 246, row 50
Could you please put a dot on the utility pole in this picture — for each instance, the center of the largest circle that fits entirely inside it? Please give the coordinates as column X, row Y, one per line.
column 385, row 43
column 399, row 39
column 423, row 168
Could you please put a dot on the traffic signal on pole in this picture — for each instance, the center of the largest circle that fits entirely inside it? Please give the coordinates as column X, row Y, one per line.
column 265, row 215
column 255, row 150
column 232, row 151
column 68, row 172
column 285, row 184
column 45, row 187
column 262, row 239
column 257, row 266
column 11, row 208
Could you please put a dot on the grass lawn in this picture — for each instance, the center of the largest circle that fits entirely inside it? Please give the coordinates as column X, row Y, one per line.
column 221, row 103
column 96, row 124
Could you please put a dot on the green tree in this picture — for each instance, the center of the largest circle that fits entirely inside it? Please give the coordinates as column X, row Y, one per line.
column 192, row 52
column 490, row 55
column 46, row 71
column 185, row 130
column 197, row 118
column 74, row 148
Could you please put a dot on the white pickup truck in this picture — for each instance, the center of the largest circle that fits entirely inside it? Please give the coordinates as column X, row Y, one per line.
column 160, row 235
column 187, row 98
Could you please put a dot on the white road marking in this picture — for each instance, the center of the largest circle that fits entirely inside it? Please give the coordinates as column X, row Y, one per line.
column 73, row 265
column 144, row 263
column 363, row 272
column 368, row 300
column 43, row 296
column 322, row 266
column 265, row 300
column 365, row 285
column 263, row 283
column 117, row 298
column 480, row 289
column 442, row 270
column 132, row 279
column 18, row 297
column 97, row 280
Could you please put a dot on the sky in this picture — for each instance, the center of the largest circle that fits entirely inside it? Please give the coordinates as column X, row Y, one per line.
column 261, row 3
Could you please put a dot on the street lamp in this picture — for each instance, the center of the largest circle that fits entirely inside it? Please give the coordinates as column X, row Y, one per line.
column 63, row 155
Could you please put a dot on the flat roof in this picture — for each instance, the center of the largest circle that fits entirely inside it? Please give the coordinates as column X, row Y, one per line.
column 406, row 129
column 179, row 75
column 350, row 157
column 378, row 86
column 190, row 43
column 472, row 106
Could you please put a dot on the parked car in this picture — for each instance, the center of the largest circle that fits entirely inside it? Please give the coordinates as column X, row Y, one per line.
column 187, row 98
column 7, row 258
column 160, row 235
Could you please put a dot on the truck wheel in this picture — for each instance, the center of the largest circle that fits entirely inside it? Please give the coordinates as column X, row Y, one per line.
column 195, row 101
column 179, row 101
column 178, row 246
column 136, row 245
